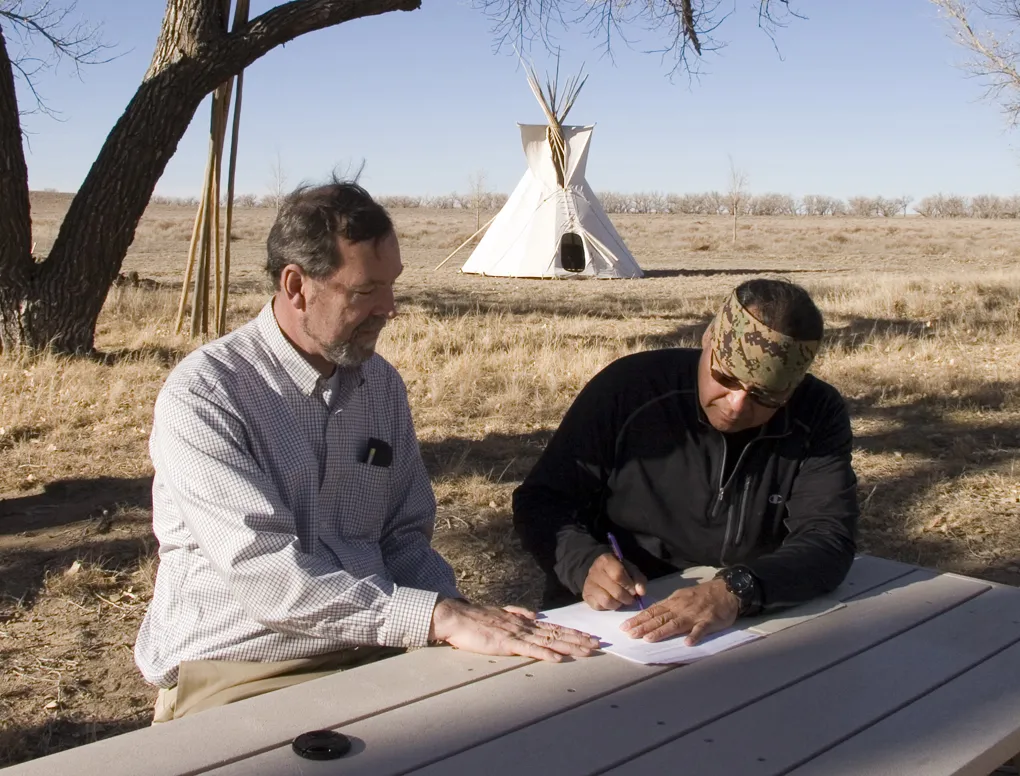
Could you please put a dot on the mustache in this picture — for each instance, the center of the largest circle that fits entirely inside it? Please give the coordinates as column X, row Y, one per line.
column 371, row 325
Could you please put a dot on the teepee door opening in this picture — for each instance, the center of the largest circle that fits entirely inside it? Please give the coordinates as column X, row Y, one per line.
column 572, row 252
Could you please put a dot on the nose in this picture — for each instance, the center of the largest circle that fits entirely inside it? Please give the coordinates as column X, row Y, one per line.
column 739, row 401
column 387, row 305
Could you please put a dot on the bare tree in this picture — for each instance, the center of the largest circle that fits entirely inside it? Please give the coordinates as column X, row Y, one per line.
column 994, row 54
column 736, row 193
column 277, row 181
column 54, row 302
column 862, row 207
column 479, row 194
column 772, row 204
column 943, row 206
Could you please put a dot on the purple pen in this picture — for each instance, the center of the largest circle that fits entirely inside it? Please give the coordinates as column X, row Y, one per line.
column 619, row 557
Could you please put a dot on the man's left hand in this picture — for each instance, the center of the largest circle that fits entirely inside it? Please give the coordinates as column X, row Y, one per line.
column 696, row 611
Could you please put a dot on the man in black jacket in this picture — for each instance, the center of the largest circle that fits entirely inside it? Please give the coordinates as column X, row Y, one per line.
column 730, row 456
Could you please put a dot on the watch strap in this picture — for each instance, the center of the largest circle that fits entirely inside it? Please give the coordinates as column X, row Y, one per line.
column 742, row 582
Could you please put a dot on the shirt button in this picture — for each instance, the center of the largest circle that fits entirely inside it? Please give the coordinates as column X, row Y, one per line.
column 406, row 641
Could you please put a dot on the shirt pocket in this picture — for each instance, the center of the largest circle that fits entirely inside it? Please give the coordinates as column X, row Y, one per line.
column 364, row 502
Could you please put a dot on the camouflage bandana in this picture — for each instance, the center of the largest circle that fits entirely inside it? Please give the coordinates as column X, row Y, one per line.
column 757, row 355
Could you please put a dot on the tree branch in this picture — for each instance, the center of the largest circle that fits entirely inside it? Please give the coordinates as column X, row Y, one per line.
column 288, row 21
column 54, row 26
column 685, row 26
column 993, row 59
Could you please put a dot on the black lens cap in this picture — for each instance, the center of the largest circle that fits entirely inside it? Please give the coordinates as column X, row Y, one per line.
column 321, row 745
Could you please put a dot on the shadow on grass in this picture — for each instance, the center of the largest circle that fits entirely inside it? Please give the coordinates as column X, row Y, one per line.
column 952, row 453
column 104, row 520
column 514, row 301
column 860, row 332
column 73, row 500
column 165, row 355
column 499, row 457
column 23, row 570
column 713, row 272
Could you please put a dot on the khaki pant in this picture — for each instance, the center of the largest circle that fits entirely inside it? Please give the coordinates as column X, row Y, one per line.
column 205, row 684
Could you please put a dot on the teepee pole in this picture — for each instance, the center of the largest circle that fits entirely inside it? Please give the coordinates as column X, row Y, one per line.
column 202, row 270
column 240, row 18
column 469, row 239
column 196, row 230
column 221, row 302
column 208, row 258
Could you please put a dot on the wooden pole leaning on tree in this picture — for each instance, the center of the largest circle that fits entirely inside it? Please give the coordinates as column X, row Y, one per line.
column 208, row 263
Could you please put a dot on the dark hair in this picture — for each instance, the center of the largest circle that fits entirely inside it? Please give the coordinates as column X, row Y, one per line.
column 312, row 218
column 783, row 306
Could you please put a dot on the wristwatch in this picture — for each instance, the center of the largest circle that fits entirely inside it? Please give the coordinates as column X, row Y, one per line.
column 745, row 586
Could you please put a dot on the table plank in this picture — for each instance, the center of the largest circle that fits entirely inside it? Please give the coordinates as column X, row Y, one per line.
column 437, row 727
column 869, row 572
column 789, row 727
column 636, row 719
column 967, row 727
column 211, row 738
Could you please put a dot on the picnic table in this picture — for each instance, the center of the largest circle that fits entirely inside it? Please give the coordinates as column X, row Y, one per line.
column 919, row 673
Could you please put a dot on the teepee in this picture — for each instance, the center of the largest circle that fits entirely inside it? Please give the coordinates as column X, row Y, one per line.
column 553, row 225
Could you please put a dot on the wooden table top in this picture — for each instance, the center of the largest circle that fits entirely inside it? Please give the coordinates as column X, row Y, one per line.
column 919, row 673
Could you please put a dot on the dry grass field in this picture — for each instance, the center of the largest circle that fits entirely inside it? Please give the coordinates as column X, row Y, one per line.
column 924, row 342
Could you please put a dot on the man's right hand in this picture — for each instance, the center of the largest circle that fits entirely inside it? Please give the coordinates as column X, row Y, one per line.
column 489, row 630
column 609, row 585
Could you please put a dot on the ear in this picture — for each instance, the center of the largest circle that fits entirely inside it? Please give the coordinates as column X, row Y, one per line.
column 294, row 286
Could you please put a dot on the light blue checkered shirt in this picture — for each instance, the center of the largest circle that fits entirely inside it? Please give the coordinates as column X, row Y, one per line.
column 276, row 539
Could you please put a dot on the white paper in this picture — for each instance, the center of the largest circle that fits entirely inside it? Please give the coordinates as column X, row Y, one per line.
column 606, row 626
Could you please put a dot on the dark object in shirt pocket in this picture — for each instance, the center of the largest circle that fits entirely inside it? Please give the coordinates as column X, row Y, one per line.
column 377, row 453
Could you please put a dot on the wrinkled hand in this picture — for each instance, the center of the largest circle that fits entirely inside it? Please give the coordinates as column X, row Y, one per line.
column 489, row 630
column 610, row 585
column 696, row 611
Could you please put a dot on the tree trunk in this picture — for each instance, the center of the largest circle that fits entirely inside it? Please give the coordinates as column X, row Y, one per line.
column 16, row 263
column 55, row 304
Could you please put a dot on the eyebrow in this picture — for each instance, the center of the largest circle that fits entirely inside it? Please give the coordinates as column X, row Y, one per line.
column 377, row 283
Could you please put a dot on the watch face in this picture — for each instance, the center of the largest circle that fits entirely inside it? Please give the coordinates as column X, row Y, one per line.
column 740, row 582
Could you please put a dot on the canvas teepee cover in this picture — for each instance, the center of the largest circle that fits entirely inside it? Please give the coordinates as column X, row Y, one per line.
column 553, row 224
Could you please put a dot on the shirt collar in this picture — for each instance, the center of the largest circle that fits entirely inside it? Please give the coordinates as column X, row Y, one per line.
column 305, row 376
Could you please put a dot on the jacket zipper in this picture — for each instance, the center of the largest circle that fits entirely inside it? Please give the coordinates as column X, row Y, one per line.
column 722, row 485
column 743, row 511
column 743, row 499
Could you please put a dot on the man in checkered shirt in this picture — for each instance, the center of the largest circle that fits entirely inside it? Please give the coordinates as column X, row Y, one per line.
column 293, row 511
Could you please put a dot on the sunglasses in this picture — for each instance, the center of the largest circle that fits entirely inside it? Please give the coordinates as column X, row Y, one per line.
column 731, row 383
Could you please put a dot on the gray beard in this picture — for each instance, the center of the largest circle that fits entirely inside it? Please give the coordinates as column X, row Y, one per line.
column 350, row 353
column 347, row 354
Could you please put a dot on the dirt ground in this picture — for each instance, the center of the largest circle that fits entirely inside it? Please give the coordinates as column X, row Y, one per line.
column 924, row 342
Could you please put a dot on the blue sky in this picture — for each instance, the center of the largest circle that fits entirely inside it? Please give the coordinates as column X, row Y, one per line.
column 864, row 99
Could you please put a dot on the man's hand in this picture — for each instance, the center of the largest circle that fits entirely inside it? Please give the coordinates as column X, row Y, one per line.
column 489, row 630
column 609, row 585
column 696, row 611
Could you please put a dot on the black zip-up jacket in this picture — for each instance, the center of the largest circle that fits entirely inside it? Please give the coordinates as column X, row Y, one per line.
column 636, row 455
